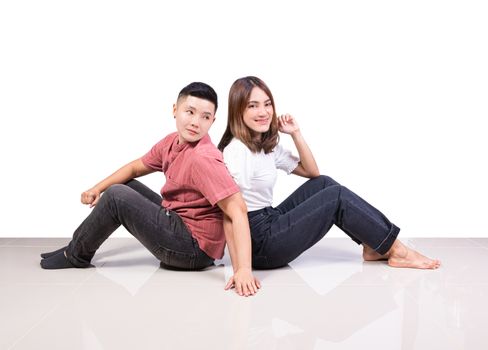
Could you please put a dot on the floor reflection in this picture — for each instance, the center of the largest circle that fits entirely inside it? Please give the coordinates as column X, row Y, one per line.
column 327, row 299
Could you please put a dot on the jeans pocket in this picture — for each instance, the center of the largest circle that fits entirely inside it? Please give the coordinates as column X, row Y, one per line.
column 174, row 260
column 257, row 220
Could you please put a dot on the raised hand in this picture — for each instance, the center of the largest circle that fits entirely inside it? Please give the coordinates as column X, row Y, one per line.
column 287, row 124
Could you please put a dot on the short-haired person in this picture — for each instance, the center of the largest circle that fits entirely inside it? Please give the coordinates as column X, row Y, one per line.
column 280, row 234
column 183, row 227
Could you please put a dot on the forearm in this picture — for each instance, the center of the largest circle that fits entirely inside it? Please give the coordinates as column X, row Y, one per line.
column 307, row 160
column 236, row 228
column 229, row 237
column 242, row 243
column 122, row 175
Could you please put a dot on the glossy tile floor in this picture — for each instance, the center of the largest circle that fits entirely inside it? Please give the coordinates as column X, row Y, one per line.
column 327, row 299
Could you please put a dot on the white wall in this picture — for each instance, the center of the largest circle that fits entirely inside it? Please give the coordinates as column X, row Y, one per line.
column 390, row 95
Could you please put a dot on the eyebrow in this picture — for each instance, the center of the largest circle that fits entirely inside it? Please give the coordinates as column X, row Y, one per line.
column 268, row 100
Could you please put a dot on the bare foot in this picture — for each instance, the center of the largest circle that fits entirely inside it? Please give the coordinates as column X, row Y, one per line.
column 371, row 255
column 402, row 256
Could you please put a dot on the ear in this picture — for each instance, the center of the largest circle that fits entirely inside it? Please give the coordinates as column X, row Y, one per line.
column 174, row 110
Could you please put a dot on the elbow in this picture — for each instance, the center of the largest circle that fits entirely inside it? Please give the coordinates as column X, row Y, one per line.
column 238, row 212
column 240, row 205
column 315, row 173
column 243, row 208
column 234, row 207
column 311, row 173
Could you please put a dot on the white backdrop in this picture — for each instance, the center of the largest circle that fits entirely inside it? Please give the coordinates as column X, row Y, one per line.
column 391, row 97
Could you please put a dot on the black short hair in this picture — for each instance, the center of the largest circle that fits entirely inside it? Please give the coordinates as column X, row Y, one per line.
column 200, row 90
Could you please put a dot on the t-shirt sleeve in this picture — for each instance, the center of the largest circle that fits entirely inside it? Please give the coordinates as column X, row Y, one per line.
column 212, row 178
column 237, row 157
column 154, row 158
column 285, row 160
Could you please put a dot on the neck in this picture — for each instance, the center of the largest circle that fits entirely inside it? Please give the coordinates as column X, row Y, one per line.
column 256, row 136
column 180, row 140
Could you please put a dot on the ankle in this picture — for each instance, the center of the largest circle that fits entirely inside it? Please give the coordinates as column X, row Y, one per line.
column 398, row 250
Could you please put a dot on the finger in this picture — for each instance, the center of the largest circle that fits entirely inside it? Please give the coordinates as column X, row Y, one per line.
column 87, row 197
column 245, row 290
column 250, row 288
column 238, row 287
column 95, row 202
column 229, row 284
column 254, row 287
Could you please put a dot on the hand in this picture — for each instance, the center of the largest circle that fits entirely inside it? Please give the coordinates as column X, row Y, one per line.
column 244, row 282
column 91, row 197
column 287, row 124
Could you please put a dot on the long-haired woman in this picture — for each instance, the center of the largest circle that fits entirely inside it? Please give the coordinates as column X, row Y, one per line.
column 280, row 234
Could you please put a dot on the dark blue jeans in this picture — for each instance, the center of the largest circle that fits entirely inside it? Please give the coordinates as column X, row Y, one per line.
column 139, row 210
column 281, row 234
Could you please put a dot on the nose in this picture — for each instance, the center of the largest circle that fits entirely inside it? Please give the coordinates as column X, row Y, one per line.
column 194, row 120
column 263, row 111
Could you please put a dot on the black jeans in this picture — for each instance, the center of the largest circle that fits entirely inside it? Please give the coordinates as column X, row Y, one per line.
column 139, row 210
column 281, row 234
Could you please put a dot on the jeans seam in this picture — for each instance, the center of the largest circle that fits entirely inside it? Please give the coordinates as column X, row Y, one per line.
column 392, row 232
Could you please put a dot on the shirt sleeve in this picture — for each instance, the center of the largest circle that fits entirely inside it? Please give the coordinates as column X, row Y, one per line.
column 212, row 178
column 237, row 157
column 285, row 160
column 154, row 158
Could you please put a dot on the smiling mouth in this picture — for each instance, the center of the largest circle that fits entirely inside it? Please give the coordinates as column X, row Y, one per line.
column 262, row 121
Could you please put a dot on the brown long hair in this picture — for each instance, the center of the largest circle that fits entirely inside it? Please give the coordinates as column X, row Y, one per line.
column 239, row 95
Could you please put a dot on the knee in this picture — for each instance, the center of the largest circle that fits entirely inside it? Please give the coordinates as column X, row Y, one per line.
column 114, row 191
column 326, row 181
column 133, row 183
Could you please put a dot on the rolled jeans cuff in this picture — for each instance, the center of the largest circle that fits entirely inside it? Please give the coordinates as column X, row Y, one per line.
column 385, row 246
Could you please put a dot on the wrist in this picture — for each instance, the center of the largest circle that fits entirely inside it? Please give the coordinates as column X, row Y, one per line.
column 95, row 190
column 243, row 268
column 296, row 134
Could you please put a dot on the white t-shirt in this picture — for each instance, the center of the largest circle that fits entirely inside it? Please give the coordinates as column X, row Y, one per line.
column 255, row 173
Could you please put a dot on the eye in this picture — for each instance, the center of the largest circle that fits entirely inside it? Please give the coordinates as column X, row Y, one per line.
column 268, row 104
column 251, row 106
column 189, row 111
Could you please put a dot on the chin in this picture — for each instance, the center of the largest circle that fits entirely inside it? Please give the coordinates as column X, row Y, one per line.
column 193, row 139
column 190, row 139
column 262, row 129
